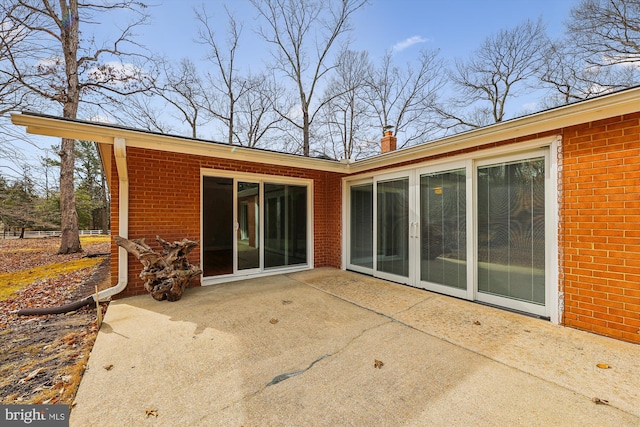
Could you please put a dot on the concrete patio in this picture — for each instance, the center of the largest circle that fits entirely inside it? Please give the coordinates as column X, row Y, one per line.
column 304, row 349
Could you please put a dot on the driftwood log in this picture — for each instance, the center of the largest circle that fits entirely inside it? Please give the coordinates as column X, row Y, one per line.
column 165, row 275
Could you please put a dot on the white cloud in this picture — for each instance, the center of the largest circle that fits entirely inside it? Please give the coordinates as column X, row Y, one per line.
column 408, row 42
column 101, row 119
column 115, row 72
column 628, row 60
column 51, row 62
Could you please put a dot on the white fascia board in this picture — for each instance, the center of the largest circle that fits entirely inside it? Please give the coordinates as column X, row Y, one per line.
column 105, row 134
column 615, row 104
column 612, row 105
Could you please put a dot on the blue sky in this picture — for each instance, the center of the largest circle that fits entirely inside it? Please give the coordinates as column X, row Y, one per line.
column 455, row 27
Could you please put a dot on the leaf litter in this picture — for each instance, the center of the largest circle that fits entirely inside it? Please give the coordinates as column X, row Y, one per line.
column 42, row 358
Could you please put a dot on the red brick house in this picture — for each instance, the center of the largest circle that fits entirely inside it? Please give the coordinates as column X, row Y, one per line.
column 539, row 214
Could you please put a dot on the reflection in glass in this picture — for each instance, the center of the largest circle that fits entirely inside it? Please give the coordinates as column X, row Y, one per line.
column 393, row 227
column 443, row 228
column 248, row 233
column 285, row 233
column 217, row 226
column 511, row 230
column 361, row 240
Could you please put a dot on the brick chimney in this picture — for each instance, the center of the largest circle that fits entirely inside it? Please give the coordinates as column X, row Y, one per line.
column 388, row 142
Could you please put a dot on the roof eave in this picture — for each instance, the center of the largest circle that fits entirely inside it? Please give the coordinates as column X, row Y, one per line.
column 104, row 134
column 614, row 104
column 611, row 105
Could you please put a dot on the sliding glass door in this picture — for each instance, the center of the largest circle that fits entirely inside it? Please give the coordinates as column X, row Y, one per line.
column 285, row 225
column 511, row 233
column 252, row 225
column 443, row 231
column 473, row 229
column 361, row 227
column 248, row 232
column 217, row 227
column 392, row 227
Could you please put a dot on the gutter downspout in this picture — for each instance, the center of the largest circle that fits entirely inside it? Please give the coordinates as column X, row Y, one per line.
column 120, row 152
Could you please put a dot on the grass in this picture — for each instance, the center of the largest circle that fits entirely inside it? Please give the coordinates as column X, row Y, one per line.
column 96, row 238
column 10, row 283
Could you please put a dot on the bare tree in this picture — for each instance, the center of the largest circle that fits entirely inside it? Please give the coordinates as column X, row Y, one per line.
column 144, row 111
column 256, row 111
column 303, row 33
column 12, row 97
column 494, row 73
column 11, row 37
column 606, row 31
column 52, row 64
column 570, row 77
column 182, row 89
column 225, row 80
column 405, row 98
column 346, row 116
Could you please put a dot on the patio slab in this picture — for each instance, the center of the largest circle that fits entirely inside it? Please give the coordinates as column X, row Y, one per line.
column 301, row 349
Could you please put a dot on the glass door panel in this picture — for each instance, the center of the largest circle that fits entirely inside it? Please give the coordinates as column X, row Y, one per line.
column 217, row 226
column 392, row 227
column 511, row 230
column 248, row 231
column 443, row 229
column 361, row 226
column 249, row 226
column 285, row 234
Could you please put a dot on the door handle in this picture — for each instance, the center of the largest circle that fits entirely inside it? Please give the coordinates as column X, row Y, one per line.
column 413, row 230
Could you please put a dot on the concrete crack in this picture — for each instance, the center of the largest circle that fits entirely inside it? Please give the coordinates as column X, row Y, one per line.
column 282, row 377
column 279, row 378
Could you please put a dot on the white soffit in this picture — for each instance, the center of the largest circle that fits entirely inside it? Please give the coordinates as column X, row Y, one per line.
column 615, row 104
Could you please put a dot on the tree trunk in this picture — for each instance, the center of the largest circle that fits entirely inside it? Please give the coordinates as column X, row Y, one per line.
column 165, row 275
column 305, row 133
column 69, row 35
column 70, row 238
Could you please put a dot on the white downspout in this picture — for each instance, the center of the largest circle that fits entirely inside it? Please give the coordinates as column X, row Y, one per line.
column 120, row 152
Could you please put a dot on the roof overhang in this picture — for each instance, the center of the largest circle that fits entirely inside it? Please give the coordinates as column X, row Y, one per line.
column 102, row 133
column 614, row 104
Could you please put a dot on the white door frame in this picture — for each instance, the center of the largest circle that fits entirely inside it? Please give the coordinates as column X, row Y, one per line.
column 261, row 179
column 540, row 310
column 467, row 293
column 411, row 219
column 549, row 147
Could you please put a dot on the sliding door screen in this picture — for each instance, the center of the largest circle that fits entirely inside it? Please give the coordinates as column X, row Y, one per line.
column 511, row 230
column 361, row 227
column 217, row 226
column 393, row 227
column 285, row 225
column 443, row 228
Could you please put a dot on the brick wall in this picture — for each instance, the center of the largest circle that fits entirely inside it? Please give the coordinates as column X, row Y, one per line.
column 164, row 200
column 599, row 232
column 600, row 213
column 599, row 197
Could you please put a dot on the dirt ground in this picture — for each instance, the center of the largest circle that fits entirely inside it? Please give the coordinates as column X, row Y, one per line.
column 42, row 358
